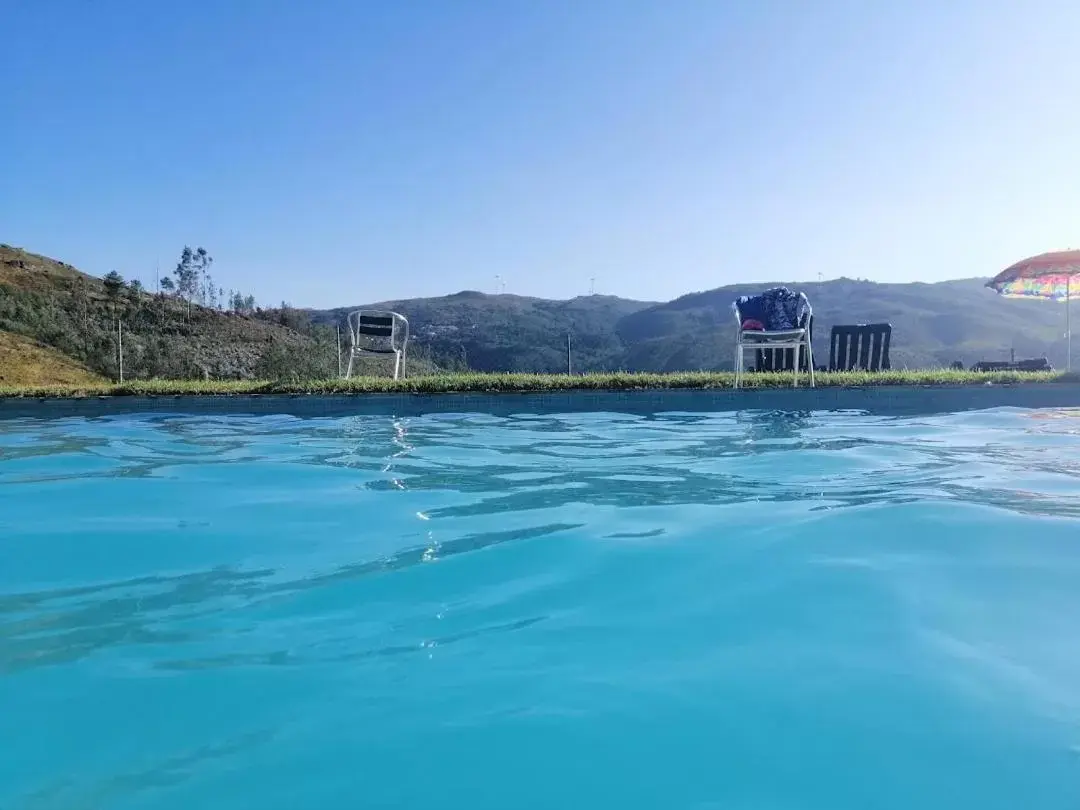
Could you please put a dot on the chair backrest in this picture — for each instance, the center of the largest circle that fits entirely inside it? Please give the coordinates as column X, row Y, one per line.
column 372, row 328
column 776, row 309
column 863, row 346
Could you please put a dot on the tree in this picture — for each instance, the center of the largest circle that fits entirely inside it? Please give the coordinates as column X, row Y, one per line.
column 167, row 285
column 134, row 297
column 207, row 290
column 295, row 319
column 187, row 276
column 202, row 262
column 193, row 279
column 114, row 283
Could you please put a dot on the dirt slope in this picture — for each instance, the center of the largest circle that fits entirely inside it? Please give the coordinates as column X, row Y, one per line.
column 24, row 362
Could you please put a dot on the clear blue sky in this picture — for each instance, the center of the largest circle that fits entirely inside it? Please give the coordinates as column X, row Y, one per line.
column 334, row 152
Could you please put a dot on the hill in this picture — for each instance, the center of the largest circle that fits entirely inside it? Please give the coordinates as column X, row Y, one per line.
column 509, row 332
column 933, row 326
column 49, row 306
column 24, row 362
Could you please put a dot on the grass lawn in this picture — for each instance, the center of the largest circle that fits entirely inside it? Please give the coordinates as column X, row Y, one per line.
column 524, row 383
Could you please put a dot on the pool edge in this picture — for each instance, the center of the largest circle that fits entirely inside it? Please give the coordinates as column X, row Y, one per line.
column 891, row 399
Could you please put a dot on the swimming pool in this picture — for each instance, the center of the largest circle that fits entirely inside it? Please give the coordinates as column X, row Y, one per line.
column 658, row 609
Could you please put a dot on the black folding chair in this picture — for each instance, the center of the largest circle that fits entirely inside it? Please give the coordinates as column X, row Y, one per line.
column 864, row 347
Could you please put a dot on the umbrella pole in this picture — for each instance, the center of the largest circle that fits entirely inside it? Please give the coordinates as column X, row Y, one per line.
column 1068, row 324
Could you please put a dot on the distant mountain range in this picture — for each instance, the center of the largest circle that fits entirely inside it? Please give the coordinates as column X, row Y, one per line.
column 58, row 324
column 933, row 325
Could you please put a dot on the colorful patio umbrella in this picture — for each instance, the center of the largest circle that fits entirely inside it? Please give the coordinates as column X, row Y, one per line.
column 1051, row 276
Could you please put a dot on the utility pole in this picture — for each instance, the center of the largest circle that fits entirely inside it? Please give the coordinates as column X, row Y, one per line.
column 592, row 286
column 1068, row 322
column 338, row 328
column 120, row 346
column 569, row 367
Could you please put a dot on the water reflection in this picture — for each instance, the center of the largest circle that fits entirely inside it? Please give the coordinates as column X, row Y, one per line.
column 166, row 772
column 536, row 470
column 774, row 425
column 679, row 458
column 44, row 628
column 345, row 583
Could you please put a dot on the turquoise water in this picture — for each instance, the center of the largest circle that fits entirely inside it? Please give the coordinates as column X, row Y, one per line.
column 728, row 610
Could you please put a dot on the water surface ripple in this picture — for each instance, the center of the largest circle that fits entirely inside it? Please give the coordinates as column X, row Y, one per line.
column 684, row 610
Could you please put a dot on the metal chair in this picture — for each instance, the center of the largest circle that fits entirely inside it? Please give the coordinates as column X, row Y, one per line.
column 796, row 310
column 864, row 347
column 378, row 333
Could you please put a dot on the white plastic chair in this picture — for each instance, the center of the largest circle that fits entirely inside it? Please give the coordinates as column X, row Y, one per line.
column 755, row 340
column 378, row 333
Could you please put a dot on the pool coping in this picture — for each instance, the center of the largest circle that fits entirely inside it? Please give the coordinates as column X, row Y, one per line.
column 887, row 400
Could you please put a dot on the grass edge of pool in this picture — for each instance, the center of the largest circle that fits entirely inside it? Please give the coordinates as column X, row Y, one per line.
column 488, row 383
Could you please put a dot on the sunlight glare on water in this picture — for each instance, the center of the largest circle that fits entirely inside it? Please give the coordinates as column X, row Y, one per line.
column 683, row 610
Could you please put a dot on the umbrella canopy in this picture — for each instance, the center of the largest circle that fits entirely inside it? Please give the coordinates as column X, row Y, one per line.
column 1050, row 276
column 1054, row 276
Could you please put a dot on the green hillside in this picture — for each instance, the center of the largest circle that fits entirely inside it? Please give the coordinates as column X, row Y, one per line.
column 185, row 331
column 58, row 308
column 933, row 325
column 510, row 332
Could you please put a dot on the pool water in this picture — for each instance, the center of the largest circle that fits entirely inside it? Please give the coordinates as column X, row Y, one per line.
column 679, row 610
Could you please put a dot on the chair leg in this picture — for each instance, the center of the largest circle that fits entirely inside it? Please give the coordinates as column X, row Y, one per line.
column 348, row 371
column 397, row 364
column 810, row 361
column 738, row 361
